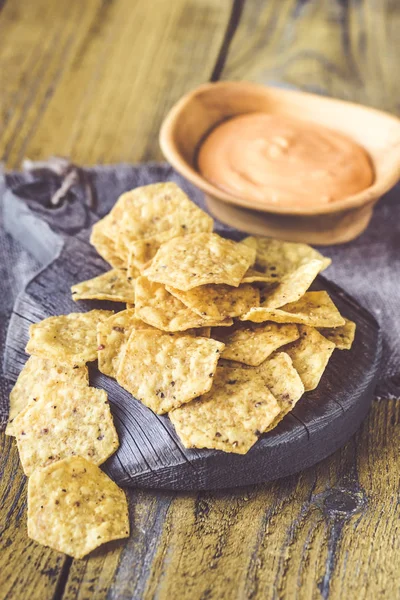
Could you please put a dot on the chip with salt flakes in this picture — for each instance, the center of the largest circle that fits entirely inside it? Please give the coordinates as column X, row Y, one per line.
column 112, row 335
column 315, row 309
column 199, row 259
column 292, row 286
column 283, row 381
column 219, row 301
column 74, row 507
column 279, row 258
column 231, row 416
column 252, row 344
column 67, row 338
column 157, row 307
column 114, row 285
column 166, row 370
column 342, row 337
column 63, row 421
column 310, row 355
column 36, row 374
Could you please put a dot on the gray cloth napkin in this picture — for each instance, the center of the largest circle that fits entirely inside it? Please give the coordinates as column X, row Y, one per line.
column 368, row 268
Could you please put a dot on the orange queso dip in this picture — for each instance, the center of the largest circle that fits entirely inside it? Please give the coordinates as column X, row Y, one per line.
column 273, row 158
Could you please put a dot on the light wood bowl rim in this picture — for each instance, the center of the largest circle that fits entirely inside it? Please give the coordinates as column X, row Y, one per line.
column 173, row 155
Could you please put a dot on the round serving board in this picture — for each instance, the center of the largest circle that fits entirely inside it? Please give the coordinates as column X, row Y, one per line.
column 150, row 453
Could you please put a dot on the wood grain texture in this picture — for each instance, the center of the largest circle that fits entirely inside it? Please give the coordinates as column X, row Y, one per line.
column 93, row 80
column 331, row 532
column 346, row 49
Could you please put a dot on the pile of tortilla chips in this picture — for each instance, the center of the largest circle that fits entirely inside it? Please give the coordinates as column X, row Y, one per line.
column 223, row 336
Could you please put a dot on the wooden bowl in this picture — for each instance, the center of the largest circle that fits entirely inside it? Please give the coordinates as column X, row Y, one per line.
column 192, row 117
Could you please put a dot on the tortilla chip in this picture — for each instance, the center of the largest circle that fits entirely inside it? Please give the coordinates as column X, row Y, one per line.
column 283, row 381
column 219, row 301
column 292, row 286
column 157, row 307
column 37, row 373
column 231, row 416
column 252, row 344
column 164, row 371
column 63, row 421
column 115, row 285
column 142, row 252
column 102, row 239
column 73, row 507
column 67, row 338
column 112, row 335
column 154, row 209
column 310, row 355
column 342, row 337
column 280, row 258
column 254, row 276
column 199, row 259
column 315, row 309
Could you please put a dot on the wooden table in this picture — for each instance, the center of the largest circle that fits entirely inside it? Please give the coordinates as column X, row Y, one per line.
column 93, row 79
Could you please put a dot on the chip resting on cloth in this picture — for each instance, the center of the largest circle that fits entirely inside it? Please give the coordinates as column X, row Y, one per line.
column 199, row 259
column 65, row 421
column 36, row 374
column 310, row 355
column 67, row 338
column 283, row 381
column 231, row 416
column 251, row 344
column 112, row 335
column 219, row 301
column 115, row 285
column 315, row 309
column 157, row 307
column 280, row 258
column 342, row 337
column 73, row 507
column 165, row 370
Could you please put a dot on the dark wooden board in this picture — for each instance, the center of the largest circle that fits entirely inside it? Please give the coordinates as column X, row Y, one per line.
column 150, row 454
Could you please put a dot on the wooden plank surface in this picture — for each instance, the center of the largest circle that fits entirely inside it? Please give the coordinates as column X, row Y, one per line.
column 93, row 79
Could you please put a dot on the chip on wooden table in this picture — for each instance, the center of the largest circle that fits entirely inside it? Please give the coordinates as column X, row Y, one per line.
column 343, row 336
column 283, row 381
column 292, row 286
column 74, row 507
column 251, row 344
column 310, row 355
column 199, row 259
column 157, row 307
column 36, row 374
column 279, row 258
column 219, row 301
column 231, row 416
column 166, row 370
column 67, row 338
column 315, row 309
column 103, row 239
column 63, row 421
column 112, row 335
column 114, row 285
